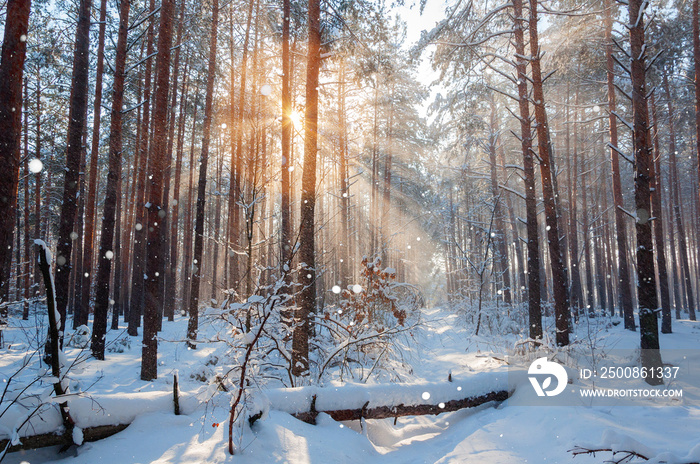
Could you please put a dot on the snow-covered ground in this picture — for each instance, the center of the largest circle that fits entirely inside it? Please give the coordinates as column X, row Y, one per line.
column 504, row 433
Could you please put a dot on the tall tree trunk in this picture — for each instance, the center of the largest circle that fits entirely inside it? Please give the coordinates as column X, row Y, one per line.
column 646, row 280
column 136, row 303
column 80, row 317
column 307, row 300
column 38, row 177
column 559, row 277
column 193, row 323
column 157, row 210
column 657, row 212
column 171, row 253
column 533, row 247
column 501, row 240
column 287, row 127
column 14, row 49
column 77, row 120
column 572, row 180
column 237, row 162
column 586, row 226
column 217, row 223
column 621, row 229
column 106, row 254
column 682, row 243
column 696, row 62
column 187, row 264
column 89, row 235
column 521, row 281
column 27, row 260
column 345, row 249
column 174, row 220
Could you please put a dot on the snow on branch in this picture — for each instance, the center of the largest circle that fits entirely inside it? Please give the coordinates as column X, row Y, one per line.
column 626, row 449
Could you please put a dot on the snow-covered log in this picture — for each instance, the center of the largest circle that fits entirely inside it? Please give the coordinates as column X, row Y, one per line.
column 352, row 402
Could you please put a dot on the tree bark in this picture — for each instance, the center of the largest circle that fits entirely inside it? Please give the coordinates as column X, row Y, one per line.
column 237, row 163
column 678, row 215
column 620, row 227
column 77, row 120
column 193, row 323
column 113, row 178
column 157, row 211
column 136, row 302
column 696, row 62
column 657, row 213
column 171, row 267
column 88, row 242
column 572, row 181
column 501, row 239
column 307, row 299
column 533, row 247
column 287, row 127
column 559, row 277
column 14, row 49
column 646, row 280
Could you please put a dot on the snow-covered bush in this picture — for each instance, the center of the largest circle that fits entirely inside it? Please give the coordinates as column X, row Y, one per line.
column 360, row 334
column 379, row 301
column 120, row 345
column 80, row 338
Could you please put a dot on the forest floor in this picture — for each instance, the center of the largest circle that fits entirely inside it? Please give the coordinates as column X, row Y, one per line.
column 503, row 433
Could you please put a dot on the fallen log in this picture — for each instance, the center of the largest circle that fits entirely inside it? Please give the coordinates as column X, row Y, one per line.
column 55, row 439
column 401, row 410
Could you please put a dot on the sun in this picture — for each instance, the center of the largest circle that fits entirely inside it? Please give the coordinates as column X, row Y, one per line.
column 296, row 118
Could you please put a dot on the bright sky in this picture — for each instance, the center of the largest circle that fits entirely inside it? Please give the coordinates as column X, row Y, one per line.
column 433, row 13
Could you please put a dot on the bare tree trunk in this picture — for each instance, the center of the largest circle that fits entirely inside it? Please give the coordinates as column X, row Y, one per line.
column 586, row 226
column 682, row 244
column 646, row 280
column 572, row 180
column 116, row 302
column 14, row 50
column 187, row 264
column 140, row 230
column 38, row 177
column 89, row 236
column 307, row 300
column 193, row 323
column 501, row 240
column 77, row 120
column 157, row 211
column 27, row 240
column 217, row 224
column 106, row 254
column 286, row 164
column 559, row 277
column 621, row 229
column 533, row 247
column 696, row 62
column 79, row 316
column 657, row 212
column 516, row 235
column 235, row 190
column 175, row 218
